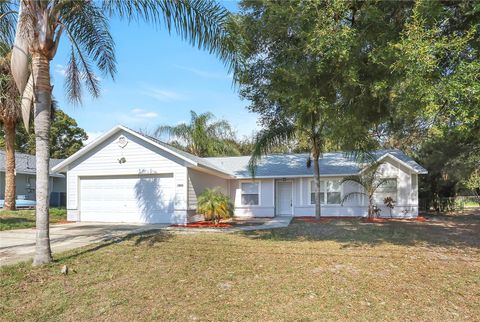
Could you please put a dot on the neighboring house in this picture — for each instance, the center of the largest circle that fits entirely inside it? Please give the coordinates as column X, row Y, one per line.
column 25, row 179
column 124, row 176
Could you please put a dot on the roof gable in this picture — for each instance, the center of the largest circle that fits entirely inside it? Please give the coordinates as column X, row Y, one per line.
column 187, row 157
column 270, row 166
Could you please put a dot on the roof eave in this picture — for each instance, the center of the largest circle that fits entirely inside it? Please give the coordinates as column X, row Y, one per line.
column 61, row 166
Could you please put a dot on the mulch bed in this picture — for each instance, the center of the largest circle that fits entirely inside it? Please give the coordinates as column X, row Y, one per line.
column 325, row 220
column 63, row 222
column 203, row 224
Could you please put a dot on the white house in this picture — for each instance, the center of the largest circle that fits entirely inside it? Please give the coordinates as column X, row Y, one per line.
column 124, row 176
column 25, row 170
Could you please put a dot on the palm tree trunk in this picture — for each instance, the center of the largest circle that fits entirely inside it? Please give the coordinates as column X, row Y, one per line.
column 316, row 178
column 42, row 105
column 10, row 189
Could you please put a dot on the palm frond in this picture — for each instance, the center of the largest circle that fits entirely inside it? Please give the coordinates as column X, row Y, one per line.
column 268, row 139
column 88, row 31
column 73, row 85
column 350, row 195
column 19, row 62
column 203, row 23
column 7, row 22
column 88, row 27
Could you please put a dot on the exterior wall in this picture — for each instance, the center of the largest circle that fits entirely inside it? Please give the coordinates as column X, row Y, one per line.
column 25, row 185
column 199, row 181
column 406, row 199
column 266, row 206
column 141, row 158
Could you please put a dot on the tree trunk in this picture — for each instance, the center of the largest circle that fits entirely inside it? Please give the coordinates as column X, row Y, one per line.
column 316, row 179
column 42, row 106
column 370, row 208
column 10, row 189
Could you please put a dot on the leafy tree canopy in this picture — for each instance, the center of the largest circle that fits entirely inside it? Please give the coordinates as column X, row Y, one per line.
column 66, row 137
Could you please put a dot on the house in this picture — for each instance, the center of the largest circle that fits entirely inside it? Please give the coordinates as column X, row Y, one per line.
column 124, row 176
column 25, row 171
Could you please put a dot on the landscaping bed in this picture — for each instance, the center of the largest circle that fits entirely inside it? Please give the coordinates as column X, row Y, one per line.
column 328, row 219
column 225, row 223
column 204, row 224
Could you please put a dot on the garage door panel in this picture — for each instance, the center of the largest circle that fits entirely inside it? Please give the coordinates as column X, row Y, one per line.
column 144, row 199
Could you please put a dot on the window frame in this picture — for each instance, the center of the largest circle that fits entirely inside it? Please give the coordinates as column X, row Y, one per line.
column 325, row 198
column 383, row 194
column 259, row 193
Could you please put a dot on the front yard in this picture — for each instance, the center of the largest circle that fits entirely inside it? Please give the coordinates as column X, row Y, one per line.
column 19, row 219
column 338, row 270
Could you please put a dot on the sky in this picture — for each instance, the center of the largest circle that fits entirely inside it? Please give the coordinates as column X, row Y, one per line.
column 159, row 79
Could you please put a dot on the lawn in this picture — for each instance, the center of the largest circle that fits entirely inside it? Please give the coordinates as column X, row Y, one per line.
column 339, row 270
column 26, row 218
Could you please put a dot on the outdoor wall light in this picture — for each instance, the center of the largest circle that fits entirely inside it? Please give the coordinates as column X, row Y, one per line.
column 122, row 160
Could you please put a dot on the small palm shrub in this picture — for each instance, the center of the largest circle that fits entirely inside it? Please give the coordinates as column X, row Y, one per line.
column 214, row 205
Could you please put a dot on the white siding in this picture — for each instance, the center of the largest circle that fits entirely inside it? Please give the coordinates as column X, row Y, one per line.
column 406, row 199
column 141, row 158
column 199, row 181
column 266, row 206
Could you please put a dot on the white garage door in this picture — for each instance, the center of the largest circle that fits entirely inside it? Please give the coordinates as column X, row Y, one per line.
column 135, row 199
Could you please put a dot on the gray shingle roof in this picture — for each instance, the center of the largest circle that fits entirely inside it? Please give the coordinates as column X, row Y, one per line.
column 331, row 164
column 25, row 163
column 278, row 165
column 201, row 161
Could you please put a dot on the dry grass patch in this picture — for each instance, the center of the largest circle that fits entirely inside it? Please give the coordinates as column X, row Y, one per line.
column 342, row 270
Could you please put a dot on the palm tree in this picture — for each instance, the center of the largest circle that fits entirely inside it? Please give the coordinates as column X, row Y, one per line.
column 302, row 124
column 40, row 26
column 370, row 181
column 214, row 205
column 9, row 114
column 203, row 136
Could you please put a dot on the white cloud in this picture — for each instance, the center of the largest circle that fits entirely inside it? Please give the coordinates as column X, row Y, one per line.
column 204, row 73
column 141, row 113
column 60, row 70
column 162, row 94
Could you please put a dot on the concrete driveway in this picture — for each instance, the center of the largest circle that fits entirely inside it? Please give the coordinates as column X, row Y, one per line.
column 19, row 245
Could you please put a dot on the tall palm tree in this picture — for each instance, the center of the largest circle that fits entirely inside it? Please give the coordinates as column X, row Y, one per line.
column 301, row 124
column 203, row 136
column 40, row 26
column 370, row 181
column 9, row 114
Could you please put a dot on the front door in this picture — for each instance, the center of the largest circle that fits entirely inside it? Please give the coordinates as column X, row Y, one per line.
column 284, row 198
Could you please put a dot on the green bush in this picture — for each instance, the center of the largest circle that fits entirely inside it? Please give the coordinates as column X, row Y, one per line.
column 214, row 205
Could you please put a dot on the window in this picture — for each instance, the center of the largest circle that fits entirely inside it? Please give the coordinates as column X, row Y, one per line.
column 386, row 189
column 312, row 192
column 330, row 192
column 250, row 193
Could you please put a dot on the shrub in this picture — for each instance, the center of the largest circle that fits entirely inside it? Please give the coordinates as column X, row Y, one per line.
column 214, row 205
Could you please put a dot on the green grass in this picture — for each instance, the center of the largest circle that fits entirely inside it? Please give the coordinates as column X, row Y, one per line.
column 26, row 218
column 341, row 270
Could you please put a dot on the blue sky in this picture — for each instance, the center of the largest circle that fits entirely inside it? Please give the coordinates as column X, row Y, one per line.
column 160, row 79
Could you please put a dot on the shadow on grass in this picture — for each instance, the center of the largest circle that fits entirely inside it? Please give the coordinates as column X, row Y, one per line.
column 145, row 238
column 438, row 232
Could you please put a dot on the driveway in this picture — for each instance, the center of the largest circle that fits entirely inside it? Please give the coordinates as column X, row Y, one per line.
column 19, row 245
